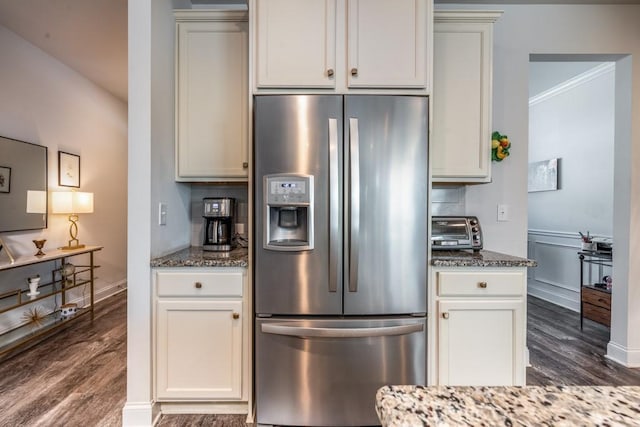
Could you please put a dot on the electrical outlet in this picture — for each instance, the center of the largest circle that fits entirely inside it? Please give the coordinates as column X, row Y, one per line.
column 162, row 214
column 240, row 228
column 503, row 212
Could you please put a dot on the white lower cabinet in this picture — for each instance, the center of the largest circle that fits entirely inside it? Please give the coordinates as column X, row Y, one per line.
column 199, row 349
column 201, row 335
column 480, row 327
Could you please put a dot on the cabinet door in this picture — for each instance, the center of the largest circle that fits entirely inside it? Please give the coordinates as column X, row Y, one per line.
column 295, row 43
column 199, row 349
column 481, row 342
column 387, row 43
column 211, row 101
column 461, row 136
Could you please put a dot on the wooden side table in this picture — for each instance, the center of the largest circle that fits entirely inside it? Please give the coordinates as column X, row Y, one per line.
column 595, row 302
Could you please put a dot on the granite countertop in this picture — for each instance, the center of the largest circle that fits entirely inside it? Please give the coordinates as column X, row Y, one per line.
column 468, row 258
column 195, row 257
column 518, row 406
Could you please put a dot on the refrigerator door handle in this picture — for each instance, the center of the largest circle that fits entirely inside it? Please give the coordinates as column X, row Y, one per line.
column 354, row 199
column 335, row 252
column 316, row 332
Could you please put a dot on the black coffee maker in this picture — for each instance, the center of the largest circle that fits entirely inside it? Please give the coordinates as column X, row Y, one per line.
column 218, row 223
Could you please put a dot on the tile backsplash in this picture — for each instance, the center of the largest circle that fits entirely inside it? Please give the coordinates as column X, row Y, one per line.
column 448, row 200
column 445, row 200
column 201, row 191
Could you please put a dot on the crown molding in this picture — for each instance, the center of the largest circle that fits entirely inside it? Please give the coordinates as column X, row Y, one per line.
column 573, row 82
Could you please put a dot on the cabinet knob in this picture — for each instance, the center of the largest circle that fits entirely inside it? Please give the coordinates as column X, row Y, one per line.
column 330, row 72
column 482, row 285
column 354, row 72
column 445, row 315
column 198, row 285
column 245, row 165
column 236, row 315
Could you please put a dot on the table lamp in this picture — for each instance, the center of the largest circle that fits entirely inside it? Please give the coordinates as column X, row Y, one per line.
column 72, row 203
column 37, row 203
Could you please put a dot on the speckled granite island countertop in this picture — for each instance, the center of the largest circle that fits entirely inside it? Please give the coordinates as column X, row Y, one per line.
column 196, row 257
column 468, row 258
column 505, row 406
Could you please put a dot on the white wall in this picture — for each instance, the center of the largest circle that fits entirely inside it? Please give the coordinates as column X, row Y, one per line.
column 567, row 29
column 573, row 121
column 151, row 180
column 47, row 103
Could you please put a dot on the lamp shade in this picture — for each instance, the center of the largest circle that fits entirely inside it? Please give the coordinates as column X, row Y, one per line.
column 71, row 202
column 36, row 201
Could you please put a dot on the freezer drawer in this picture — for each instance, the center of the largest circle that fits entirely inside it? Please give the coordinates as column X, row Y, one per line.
column 327, row 372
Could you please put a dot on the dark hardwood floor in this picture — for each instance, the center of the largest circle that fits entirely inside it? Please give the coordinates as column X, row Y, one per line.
column 561, row 353
column 78, row 376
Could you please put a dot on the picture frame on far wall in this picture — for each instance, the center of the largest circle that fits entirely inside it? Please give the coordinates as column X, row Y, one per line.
column 544, row 175
column 68, row 170
column 5, row 179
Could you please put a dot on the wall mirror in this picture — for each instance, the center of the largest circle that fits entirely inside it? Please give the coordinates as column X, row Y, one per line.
column 23, row 185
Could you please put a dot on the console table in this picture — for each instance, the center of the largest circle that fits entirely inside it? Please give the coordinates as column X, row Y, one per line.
column 58, row 285
column 595, row 302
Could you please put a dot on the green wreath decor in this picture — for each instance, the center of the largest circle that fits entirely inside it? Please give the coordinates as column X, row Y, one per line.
column 500, row 145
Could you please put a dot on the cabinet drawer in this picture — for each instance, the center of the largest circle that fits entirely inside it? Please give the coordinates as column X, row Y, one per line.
column 597, row 298
column 597, row 314
column 199, row 284
column 477, row 283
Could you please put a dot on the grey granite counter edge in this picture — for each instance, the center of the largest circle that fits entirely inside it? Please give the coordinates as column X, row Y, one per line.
column 482, row 258
column 196, row 257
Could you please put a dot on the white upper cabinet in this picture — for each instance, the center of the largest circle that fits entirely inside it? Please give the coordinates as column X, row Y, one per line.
column 387, row 43
column 462, row 89
column 339, row 45
column 296, row 43
column 211, row 96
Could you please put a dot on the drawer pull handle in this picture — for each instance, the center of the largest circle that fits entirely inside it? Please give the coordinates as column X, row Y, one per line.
column 482, row 285
column 354, row 72
column 236, row 315
column 330, row 72
column 198, row 285
column 445, row 315
column 245, row 165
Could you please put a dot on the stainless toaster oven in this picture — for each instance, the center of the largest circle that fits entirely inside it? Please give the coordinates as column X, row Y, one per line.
column 455, row 232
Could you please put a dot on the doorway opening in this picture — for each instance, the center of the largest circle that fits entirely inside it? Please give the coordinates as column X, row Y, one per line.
column 579, row 168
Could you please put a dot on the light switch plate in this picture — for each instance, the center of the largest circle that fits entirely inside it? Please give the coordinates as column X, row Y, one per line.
column 162, row 214
column 503, row 212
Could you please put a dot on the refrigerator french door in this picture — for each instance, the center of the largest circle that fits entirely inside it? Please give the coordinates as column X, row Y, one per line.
column 340, row 254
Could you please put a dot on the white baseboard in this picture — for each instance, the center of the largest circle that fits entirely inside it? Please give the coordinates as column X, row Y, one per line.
column 622, row 355
column 109, row 291
column 533, row 290
column 140, row 414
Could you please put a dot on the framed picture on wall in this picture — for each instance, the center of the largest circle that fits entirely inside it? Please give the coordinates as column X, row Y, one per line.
column 5, row 179
column 68, row 170
column 543, row 175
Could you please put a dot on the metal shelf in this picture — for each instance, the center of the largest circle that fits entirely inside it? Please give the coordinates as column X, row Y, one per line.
column 21, row 336
column 590, row 258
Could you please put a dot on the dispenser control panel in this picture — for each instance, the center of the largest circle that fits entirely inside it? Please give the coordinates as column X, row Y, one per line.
column 288, row 212
column 289, row 190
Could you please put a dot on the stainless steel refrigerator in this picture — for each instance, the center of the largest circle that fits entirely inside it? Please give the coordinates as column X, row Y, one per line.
column 340, row 254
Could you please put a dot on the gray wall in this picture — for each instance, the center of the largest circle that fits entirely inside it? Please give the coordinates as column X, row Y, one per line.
column 573, row 121
column 594, row 32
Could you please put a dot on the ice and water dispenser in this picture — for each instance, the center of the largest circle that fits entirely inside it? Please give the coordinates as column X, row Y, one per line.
column 288, row 200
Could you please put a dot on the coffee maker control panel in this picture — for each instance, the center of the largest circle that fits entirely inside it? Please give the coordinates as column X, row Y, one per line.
column 217, row 207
